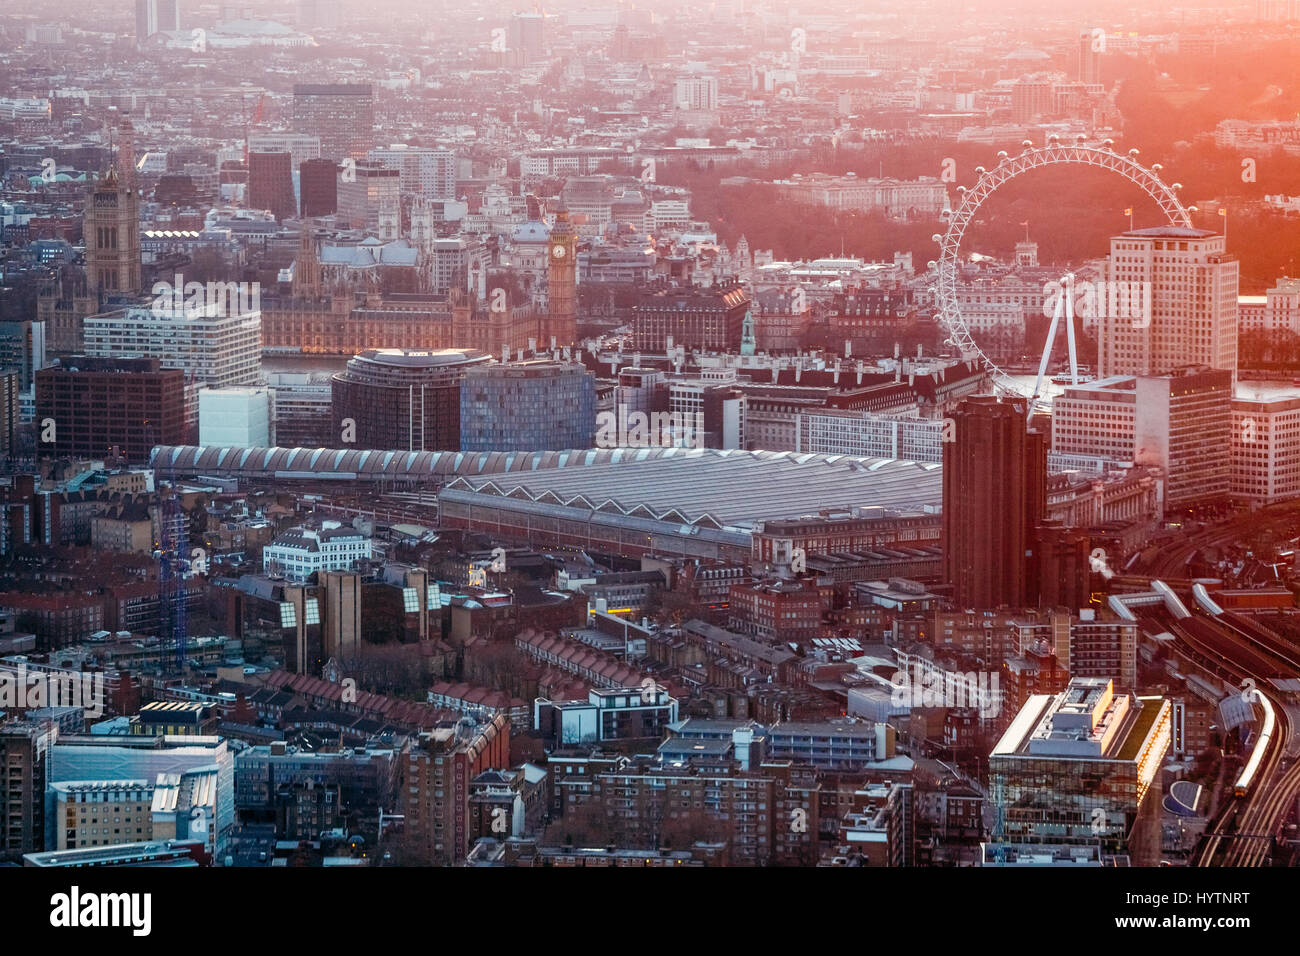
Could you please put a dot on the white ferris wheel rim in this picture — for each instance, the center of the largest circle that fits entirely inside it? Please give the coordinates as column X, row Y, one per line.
column 990, row 180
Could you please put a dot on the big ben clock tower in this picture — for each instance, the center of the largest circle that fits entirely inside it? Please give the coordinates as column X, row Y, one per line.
column 561, row 284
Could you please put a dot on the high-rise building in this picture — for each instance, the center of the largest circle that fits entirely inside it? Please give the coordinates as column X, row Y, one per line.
column 1096, row 419
column 1085, row 642
column 459, row 262
column 424, row 170
column 280, row 617
column 318, row 187
column 396, row 399
column 527, row 35
column 1177, row 291
column 339, row 596
column 1184, row 420
column 88, row 407
column 1180, row 423
column 300, row 403
column 10, row 413
column 24, row 755
column 155, row 16
column 1265, row 446
column 219, row 344
column 319, row 14
column 1031, row 98
column 270, row 184
column 994, row 499
column 438, row 769
column 22, row 349
column 562, row 284
column 1082, row 767
column 366, row 191
column 697, row 92
column 527, row 406
column 341, row 114
column 1092, row 46
column 710, row 410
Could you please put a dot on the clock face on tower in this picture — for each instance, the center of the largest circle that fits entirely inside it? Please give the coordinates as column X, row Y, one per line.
column 558, row 252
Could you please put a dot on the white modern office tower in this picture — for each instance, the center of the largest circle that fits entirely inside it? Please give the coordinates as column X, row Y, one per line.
column 218, row 342
column 1192, row 316
column 424, row 170
column 1178, row 423
column 697, row 92
column 1265, row 445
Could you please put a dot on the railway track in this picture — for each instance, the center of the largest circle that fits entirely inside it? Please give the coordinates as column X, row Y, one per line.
column 1239, row 650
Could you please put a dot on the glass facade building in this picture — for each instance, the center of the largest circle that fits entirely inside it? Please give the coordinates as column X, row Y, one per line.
column 528, row 406
column 402, row 400
column 1081, row 767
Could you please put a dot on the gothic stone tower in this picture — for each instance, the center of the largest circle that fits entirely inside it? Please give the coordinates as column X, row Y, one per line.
column 561, row 284
column 112, row 225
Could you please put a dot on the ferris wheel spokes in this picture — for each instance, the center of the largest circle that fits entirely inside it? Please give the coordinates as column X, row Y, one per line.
column 1064, row 309
column 947, row 265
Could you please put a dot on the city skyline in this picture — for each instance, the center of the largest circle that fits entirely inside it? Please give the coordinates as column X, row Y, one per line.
column 704, row 436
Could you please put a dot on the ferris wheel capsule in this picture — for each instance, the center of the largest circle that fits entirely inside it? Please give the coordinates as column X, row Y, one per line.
column 930, row 265
column 1080, row 139
column 961, row 189
column 1027, row 143
column 936, row 238
column 1193, row 209
column 1176, row 186
column 1108, row 143
column 980, row 170
column 1156, row 167
column 1002, row 154
column 1134, row 153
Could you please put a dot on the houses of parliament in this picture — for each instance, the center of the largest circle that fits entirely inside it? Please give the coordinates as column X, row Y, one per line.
column 307, row 314
column 476, row 315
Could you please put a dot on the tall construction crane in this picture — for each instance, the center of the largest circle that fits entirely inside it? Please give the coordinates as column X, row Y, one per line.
column 173, row 562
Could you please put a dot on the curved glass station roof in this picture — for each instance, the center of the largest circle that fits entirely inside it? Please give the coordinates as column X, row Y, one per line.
column 701, row 487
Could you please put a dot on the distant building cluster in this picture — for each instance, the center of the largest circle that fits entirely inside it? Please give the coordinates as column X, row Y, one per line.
column 495, row 439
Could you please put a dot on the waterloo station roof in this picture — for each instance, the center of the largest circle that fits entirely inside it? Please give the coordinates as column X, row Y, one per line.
column 701, row 487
